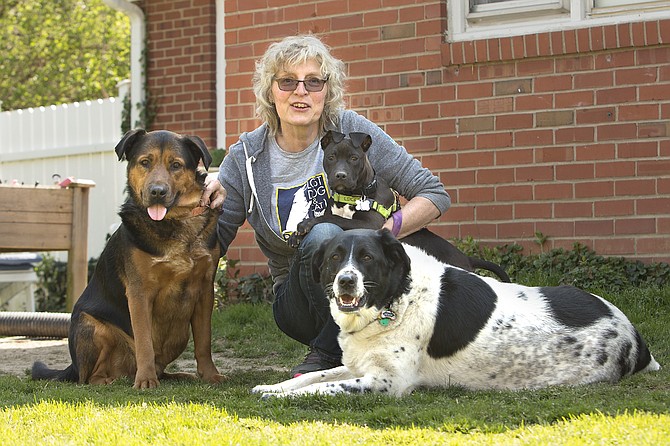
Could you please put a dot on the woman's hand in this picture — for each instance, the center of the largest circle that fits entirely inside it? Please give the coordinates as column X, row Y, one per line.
column 214, row 193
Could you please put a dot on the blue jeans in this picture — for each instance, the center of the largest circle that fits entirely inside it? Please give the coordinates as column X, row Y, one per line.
column 301, row 308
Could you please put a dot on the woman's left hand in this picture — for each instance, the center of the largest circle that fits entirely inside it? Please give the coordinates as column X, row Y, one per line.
column 214, row 193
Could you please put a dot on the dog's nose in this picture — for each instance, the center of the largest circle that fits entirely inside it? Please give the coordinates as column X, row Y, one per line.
column 346, row 280
column 341, row 175
column 158, row 190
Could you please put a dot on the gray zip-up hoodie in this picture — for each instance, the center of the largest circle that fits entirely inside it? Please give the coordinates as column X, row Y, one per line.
column 246, row 171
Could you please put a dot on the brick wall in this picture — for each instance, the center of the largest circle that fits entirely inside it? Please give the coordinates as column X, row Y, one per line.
column 181, row 65
column 561, row 133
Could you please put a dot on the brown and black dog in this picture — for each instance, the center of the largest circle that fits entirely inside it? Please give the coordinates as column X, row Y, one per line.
column 154, row 279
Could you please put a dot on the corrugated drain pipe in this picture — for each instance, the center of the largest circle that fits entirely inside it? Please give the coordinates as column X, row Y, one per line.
column 38, row 325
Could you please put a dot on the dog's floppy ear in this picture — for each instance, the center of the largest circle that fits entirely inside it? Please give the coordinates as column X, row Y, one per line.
column 399, row 260
column 199, row 148
column 124, row 146
column 330, row 137
column 362, row 140
column 317, row 261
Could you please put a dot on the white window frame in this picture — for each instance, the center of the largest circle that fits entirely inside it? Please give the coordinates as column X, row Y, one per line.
column 520, row 17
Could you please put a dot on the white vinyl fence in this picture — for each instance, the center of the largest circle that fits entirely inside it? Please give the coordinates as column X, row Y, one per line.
column 39, row 145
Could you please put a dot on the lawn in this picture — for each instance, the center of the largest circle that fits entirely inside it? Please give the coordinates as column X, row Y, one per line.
column 634, row 411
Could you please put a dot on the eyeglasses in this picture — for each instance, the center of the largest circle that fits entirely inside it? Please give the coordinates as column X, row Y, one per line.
column 311, row 84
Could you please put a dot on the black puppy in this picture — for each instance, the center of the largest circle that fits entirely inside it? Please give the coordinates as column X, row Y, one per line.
column 362, row 200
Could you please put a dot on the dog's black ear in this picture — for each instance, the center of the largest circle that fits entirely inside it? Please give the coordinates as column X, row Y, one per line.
column 398, row 258
column 330, row 137
column 124, row 147
column 198, row 146
column 317, row 261
column 362, row 140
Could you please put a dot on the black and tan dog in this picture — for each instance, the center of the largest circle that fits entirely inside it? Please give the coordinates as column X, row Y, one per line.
column 362, row 200
column 154, row 279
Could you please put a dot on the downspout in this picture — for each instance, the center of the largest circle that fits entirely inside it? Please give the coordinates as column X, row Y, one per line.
column 137, row 47
column 220, row 75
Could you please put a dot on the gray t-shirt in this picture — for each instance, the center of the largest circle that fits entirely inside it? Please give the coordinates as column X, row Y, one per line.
column 300, row 186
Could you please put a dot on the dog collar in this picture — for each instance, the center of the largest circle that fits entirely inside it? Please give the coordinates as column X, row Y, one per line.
column 362, row 203
column 385, row 317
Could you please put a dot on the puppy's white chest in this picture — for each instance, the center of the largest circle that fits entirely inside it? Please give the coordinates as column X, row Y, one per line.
column 347, row 211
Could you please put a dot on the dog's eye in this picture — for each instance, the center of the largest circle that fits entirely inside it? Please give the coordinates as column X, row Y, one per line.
column 176, row 165
column 354, row 159
column 366, row 258
column 145, row 162
column 335, row 257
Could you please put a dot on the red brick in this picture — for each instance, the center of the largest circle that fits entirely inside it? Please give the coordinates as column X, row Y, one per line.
column 475, row 159
column 457, row 109
column 457, row 142
column 533, row 138
column 634, row 226
column 513, row 157
column 656, row 245
column 592, row 189
column 576, row 134
column 515, row 121
column 572, row 210
column 533, row 67
column 634, row 187
column 575, row 171
column 615, row 169
column 574, row 99
column 476, row 195
column 495, row 176
column 556, row 229
column 514, row 193
column 534, row 102
column 616, row 131
column 534, row 173
column 495, row 140
column 611, row 246
column 472, row 91
column 532, row 210
column 596, row 115
column 635, row 76
column 598, row 228
column 637, row 112
column 592, row 152
column 656, row 167
column 515, row 230
column 658, row 92
column 494, row 212
column 594, row 80
column 553, row 83
column 554, row 154
column 616, row 95
column 554, row 191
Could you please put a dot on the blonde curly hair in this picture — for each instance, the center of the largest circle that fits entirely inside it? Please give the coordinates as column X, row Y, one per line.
column 291, row 51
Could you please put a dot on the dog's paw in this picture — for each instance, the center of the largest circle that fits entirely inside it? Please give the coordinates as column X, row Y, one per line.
column 294, row 240
column 146, row 383
column 215, row 378
column 266, row 388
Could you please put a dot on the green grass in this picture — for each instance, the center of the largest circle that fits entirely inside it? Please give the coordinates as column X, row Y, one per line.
column 633, row 411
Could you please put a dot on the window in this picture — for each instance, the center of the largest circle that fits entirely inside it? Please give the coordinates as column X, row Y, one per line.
column 480, row 19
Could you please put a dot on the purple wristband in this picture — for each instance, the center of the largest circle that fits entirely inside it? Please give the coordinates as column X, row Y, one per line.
column 397, row 223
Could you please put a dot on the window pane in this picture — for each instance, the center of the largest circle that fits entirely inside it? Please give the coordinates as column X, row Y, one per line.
column 485, row 2
column 608, row 3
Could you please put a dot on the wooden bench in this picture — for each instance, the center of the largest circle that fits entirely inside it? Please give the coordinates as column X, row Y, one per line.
column 47, row 218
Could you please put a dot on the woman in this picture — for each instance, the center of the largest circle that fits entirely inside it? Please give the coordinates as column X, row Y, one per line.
column 273, row 177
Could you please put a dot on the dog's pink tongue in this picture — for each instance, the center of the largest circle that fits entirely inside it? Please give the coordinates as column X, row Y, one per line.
column 157, row 212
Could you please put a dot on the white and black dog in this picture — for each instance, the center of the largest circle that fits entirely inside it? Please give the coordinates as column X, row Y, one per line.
column 408, row 320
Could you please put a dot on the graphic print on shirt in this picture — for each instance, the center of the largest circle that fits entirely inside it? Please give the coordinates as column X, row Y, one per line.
column 301, row 201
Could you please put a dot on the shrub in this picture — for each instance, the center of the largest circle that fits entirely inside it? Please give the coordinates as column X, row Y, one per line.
column 580, row 267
